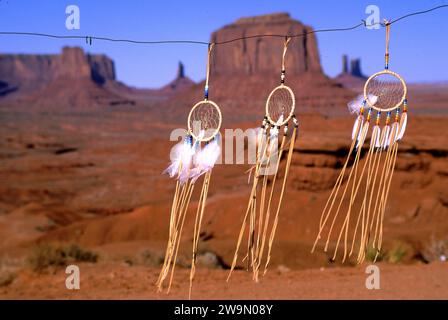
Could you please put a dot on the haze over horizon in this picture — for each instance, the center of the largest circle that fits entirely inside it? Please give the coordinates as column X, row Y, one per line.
column 155, row 65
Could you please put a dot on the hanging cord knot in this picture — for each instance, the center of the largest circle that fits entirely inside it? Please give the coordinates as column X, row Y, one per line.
column 295, row 121
column 285, row 48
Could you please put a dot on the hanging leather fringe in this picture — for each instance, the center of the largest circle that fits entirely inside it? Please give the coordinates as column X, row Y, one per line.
column 274, row 226
column 263, row 216
column 264, row 226
column 370, row 183
column 261, row 154
column 334, row 192
column 197, row 226
column 179, row 208
column 262, row 200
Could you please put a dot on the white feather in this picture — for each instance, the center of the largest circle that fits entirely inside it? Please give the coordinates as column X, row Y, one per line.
column 402, row 128
column 386, row 137
column 273, row 132
column 377, row 137
column 361, row 128
column 372, row 98
column 201, row 135
column 205, row 159
column 394, row 129
column 181, row 156
column 362, row 135
column 355, row 105
column 355, row 125
column 185, row 173
column 374, row 135
column 279, row 121
column 358, row 122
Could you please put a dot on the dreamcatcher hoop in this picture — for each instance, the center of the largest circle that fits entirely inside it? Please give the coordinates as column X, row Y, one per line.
column 207, row 136
column 293, row 101
column 372, row 78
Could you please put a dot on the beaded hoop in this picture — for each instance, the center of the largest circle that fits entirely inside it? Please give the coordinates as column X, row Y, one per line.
column 380, row 88
column 282, row 97
column 204, row 116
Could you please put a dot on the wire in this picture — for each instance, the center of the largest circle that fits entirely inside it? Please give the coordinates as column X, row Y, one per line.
column 90, row 38
column 419, row 12
column 47, row 35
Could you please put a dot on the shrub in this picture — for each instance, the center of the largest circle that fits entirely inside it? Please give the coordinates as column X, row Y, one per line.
column 372, row 252
column 396, row 254
column 149, row 258
column 46, row 255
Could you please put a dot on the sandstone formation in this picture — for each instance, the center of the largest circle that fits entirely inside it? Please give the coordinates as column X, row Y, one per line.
column 262, row 55
column 70, row 79
column 33, row 72
column 74, row 79
column 5, row 88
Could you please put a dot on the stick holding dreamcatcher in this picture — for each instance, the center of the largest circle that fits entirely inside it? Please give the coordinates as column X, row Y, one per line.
column 262, row 214
column 384, row 94
column 191, row 159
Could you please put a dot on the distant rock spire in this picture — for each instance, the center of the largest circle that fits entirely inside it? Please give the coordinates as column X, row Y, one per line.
column 355, row 66
column 180, row 70
column 344, row 63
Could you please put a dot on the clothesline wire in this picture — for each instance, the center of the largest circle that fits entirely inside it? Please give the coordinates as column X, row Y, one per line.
column 89, row 39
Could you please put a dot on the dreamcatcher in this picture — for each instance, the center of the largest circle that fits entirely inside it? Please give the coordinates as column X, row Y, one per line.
column 384, row 93
column 261, row 217
column 191, row 159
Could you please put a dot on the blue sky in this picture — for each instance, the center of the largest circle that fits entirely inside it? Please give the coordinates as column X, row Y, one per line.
column 418, row 44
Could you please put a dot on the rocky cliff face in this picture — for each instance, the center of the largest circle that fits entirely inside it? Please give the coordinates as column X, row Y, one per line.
column 30, row 73
column 74, row 78
column 244, row 72
column 70, row 79
column 5, row 88
column 263, row 55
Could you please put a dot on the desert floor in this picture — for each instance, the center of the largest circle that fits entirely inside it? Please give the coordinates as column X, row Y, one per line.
column 112, row 281
column 94, row 179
